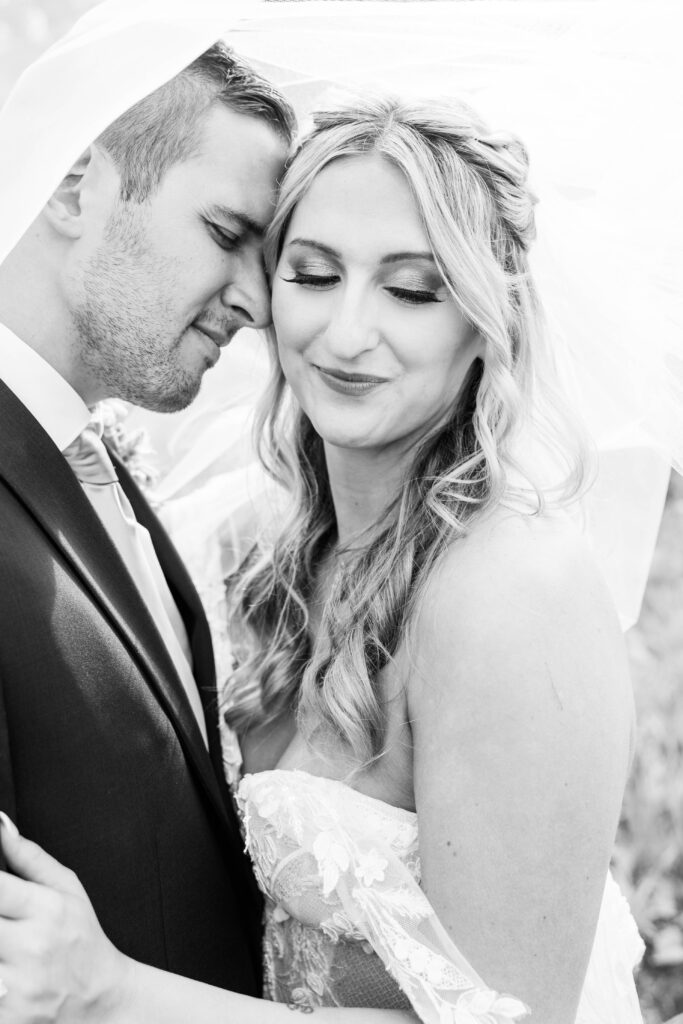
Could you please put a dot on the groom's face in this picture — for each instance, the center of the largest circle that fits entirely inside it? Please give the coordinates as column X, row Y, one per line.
column 167, row 282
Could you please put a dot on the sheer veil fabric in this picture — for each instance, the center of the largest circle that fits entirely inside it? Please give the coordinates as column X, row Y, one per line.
column 590, row 88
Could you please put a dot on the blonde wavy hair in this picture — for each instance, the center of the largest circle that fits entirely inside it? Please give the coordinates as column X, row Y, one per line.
column 470, row 187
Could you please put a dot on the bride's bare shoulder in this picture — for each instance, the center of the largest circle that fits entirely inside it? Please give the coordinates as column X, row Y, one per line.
column 519, row 597
column 510, row 554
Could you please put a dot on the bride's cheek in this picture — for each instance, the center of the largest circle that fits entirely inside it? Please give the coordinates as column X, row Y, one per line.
column 288, row 349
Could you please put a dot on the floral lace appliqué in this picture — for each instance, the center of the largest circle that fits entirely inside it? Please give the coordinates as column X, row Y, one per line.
column 346, row 920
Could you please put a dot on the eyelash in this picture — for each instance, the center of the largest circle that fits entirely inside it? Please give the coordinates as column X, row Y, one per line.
column 412, row 296
column 312, row 280
column 415, row 298
column 226, row 241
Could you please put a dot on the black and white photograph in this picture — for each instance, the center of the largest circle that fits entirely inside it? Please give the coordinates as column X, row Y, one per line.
column 341, row 512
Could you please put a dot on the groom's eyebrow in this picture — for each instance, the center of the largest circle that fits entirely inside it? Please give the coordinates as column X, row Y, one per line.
column 217, row 211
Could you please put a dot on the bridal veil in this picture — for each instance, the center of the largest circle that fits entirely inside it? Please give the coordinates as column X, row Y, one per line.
column 590, row 87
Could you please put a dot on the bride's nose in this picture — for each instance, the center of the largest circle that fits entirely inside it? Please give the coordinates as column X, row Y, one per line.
column 352, row 328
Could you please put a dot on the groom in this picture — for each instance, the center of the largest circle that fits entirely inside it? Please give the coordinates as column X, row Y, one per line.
column 139, row 269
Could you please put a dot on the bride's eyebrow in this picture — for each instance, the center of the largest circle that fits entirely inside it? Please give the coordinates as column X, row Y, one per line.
column 326, row 250
column 404, row 257
column 394, row 257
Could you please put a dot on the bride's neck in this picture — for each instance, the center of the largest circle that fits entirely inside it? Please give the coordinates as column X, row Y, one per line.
column 363, row 483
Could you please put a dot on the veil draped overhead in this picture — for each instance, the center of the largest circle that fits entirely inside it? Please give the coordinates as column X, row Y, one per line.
column 590, row 87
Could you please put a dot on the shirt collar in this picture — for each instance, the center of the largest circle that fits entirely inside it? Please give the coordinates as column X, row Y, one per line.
column 61, row 412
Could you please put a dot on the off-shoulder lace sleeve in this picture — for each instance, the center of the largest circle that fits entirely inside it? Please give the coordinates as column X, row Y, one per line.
column 347, row 865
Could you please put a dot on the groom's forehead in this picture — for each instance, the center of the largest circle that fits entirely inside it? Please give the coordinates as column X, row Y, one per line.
column 235, row 169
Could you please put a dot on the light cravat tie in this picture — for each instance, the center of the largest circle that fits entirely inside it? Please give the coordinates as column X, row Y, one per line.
column 95, row 471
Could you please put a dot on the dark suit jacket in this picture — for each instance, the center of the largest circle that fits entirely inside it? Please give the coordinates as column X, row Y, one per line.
column 101, row 759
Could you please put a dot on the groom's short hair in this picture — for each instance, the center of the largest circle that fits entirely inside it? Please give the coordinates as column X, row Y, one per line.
column 164, row 128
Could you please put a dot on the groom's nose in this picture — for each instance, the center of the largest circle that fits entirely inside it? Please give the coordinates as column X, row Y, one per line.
column 247, row 295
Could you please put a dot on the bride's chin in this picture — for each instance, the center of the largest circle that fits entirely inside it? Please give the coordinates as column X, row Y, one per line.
column 354, row 442
column 343, row 439
column 354, row 432
column 350, row 430
column 350, row 444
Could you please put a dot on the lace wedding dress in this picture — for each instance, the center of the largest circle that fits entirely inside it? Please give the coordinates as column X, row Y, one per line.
column 346, row 922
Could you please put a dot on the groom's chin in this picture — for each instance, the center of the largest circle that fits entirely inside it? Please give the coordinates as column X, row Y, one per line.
column 172, row 397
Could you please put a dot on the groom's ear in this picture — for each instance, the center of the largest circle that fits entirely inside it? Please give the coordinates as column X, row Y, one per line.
column 64, row 208
column 81, row 189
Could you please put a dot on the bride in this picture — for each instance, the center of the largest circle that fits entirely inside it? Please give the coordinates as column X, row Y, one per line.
column 430, row 689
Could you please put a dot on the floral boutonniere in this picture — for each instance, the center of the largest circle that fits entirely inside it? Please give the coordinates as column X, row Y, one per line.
column 132, row 447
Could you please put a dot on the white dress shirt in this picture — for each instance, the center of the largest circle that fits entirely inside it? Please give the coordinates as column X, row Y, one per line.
column 61, row 412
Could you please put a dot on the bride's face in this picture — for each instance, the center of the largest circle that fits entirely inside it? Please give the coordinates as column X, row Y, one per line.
column 369, row 337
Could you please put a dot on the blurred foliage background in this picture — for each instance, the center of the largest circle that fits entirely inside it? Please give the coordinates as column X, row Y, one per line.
column 648, row 859
column 649, row 854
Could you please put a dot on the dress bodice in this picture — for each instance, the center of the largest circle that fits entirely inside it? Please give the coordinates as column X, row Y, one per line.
column 348, row 924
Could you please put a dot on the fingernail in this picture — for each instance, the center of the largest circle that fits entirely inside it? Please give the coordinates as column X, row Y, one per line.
column 9, row 824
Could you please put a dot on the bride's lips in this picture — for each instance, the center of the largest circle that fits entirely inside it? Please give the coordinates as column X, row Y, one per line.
column 349, row 383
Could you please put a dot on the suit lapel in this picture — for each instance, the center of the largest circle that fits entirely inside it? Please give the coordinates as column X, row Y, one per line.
column 40, row 477
column 189, row 606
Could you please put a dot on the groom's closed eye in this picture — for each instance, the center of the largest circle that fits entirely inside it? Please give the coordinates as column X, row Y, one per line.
column 232, row 221
column 228, row 240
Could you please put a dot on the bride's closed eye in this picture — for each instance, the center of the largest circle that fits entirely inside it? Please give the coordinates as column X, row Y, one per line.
column 321, row 280
column 413, row 296
column 415, row 288
column 312, row 280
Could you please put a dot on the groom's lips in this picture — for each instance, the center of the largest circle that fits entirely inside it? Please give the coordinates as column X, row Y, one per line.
column 219, row 338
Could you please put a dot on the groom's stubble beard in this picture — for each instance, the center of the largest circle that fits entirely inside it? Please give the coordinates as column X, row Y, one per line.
column 128, row 342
